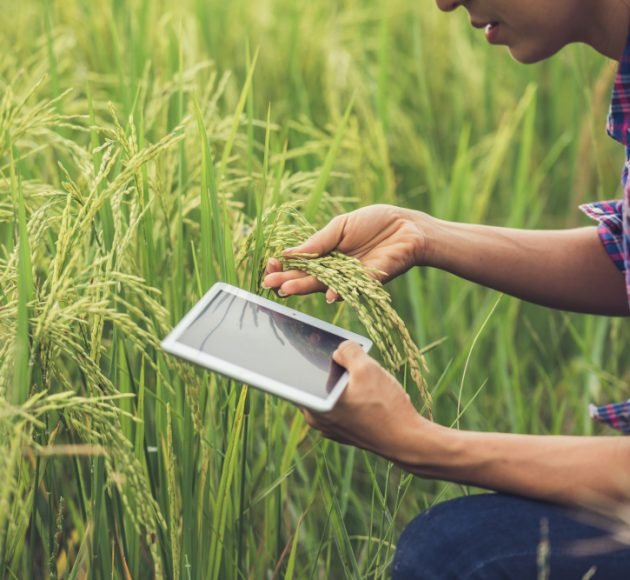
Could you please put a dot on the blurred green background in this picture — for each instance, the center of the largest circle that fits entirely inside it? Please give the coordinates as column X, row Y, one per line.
column 140, row 141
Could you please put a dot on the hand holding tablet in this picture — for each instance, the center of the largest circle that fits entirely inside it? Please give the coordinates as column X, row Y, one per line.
column 264, row 344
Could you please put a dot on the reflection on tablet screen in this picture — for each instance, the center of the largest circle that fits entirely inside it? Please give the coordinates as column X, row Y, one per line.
column 267, row 342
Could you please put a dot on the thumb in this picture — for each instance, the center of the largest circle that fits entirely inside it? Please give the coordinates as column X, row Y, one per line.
column 349, row 355
column 322, row 242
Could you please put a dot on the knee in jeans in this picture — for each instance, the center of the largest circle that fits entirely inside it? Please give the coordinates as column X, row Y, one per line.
column 427, row 543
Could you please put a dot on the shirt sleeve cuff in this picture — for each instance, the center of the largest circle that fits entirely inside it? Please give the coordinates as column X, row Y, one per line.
column 609, row 214
column 615, row 415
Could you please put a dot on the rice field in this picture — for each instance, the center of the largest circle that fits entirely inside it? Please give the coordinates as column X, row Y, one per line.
column 149, row 148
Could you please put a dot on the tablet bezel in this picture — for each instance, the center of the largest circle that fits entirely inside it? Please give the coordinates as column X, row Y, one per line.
column 172, row 345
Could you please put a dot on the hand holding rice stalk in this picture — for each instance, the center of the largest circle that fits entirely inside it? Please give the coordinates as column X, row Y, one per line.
column 349, row 277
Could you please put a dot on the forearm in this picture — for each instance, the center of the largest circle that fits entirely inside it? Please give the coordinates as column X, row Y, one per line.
column 565, row 269
column 568, row 470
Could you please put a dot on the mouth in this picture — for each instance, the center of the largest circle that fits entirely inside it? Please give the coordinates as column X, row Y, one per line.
column 491, row 29
column 487, row 25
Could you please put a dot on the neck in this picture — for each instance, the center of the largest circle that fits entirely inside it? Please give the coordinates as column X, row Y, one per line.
column 607, row 26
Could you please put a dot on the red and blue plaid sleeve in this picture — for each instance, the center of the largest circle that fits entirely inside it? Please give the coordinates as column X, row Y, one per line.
column 616, row 415
column 609, row 214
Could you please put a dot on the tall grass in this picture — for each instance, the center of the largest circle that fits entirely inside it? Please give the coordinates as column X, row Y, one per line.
column 140, row 145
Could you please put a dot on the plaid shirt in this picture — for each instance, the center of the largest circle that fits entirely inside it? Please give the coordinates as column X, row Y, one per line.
column 614, row 218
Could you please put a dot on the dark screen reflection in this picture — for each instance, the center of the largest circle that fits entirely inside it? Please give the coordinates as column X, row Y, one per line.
column 266, row 342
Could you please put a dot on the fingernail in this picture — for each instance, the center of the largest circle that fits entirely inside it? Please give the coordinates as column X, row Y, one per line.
column 330, row 300
column 282, row 294
column 265, row 286
column 289, row 250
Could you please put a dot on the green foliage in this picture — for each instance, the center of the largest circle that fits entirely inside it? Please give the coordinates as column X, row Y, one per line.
column 140, row 145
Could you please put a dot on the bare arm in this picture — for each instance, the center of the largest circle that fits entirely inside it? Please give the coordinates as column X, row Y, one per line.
column 565, row 269
column 563, row 469
column 375, row 413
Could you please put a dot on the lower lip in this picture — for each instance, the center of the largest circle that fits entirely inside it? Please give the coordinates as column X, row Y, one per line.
column 491, row 33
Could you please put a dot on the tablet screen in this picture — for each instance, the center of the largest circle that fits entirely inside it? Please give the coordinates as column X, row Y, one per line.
column 267, row 342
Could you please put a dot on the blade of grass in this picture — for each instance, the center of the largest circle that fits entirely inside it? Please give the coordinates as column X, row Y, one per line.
column 314, row 200
column 219, row 517
column 26, row 290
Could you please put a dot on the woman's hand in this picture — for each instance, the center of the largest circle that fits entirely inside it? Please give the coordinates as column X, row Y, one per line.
column 374, row 412
column 384, row 237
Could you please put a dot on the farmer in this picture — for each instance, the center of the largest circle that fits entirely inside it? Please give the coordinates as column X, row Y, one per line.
column 539, row 478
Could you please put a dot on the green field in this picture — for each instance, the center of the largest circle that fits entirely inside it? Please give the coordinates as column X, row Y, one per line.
column 141, row 144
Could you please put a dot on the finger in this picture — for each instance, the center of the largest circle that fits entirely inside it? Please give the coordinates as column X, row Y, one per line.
column 277, row 279
column 308, row 416
column 350, row 355
column 322, row 242
column 273, row 265
column 296, row 282
column 332, row 296
column 336, row 437
column 300, row 286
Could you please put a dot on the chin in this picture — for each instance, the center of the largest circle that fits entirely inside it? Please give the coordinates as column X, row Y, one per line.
column 532, row 54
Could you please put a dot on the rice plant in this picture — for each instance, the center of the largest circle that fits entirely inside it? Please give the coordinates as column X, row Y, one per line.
column 149, row 149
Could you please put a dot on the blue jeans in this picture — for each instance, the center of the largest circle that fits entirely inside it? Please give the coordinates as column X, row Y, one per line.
column 495, row 536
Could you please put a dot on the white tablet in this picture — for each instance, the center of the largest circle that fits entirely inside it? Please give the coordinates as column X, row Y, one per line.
column 264, row 344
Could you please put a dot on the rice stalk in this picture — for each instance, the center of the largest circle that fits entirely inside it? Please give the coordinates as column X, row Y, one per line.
column 17, row 424
column 173, row 496
column 10, row 489
column 70, row 308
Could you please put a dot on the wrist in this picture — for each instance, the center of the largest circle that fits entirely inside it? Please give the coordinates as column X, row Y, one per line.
column 429, row 449
column 429, row 232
